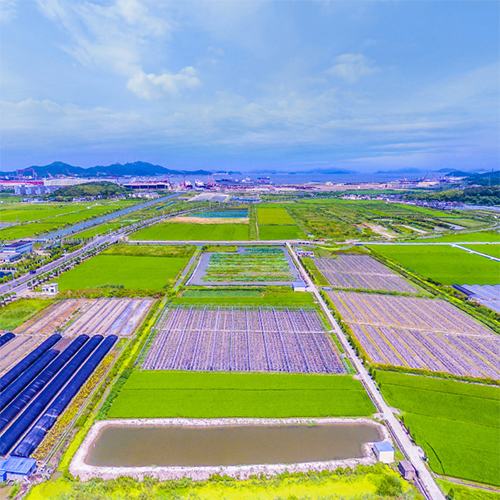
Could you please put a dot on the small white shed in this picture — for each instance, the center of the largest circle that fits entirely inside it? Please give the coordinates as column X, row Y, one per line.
column 50, row 288
column 384, row 451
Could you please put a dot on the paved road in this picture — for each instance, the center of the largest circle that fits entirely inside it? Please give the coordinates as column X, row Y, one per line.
column 427, row 483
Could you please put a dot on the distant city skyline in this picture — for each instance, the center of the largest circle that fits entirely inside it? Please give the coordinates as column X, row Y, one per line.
column 251, row 85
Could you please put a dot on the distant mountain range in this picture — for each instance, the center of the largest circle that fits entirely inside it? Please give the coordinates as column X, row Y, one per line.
column 136, row 169
column 484, row 179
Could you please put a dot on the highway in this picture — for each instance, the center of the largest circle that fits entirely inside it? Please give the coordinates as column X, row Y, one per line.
column 426, row 481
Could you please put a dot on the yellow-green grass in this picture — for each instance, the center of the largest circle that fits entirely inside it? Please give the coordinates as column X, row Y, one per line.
column 19, row 311
column 267, row 298
column 277, row 216
column 464, row 237
column 280, row 233
column 193, row 232
column 369, row 483
column 457, row 423
column 493, row 250
column 444, row 264
column 133, row 272
column 163, row 394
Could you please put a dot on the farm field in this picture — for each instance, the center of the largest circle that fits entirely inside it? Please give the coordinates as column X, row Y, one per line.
column 242, row 340
column 250, row 265
column 162, row 394
column 419, row 333
column 262, row 299
column 45, row 218
column 133, row 272
column 274, row 215
column 437, row 411
column 445, row 264
column 269, row 232
column 193, row 232
column 479, row 236
column 361, row 271
column 19, row 311
column 493, row 250
column 98, row 230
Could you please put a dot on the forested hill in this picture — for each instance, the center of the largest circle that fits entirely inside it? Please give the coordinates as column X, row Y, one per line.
column 102, row 189
column 470, row 196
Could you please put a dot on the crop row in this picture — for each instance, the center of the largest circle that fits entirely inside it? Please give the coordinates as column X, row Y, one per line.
column 361, row 271
column 270, row 340
column 407, row 312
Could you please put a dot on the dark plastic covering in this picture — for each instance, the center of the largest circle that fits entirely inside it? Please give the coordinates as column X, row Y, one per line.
column 13, row 373
column 24, row 421
column 35, row 436
column 8, row 414
column 6, row 337
column 21, row 382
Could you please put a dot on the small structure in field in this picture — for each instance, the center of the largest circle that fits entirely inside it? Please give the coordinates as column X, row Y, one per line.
column 50, row 289
column 407, row 470
column 299, row 286
column 384, row 451
column 15, row 468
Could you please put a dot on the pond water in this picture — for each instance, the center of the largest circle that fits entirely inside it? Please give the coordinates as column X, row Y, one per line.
column 134, row 446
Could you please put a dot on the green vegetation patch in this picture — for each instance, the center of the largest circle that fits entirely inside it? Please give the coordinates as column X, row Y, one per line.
column 221, row 293
column 19, row 311
column 133, row 272
column 493, row 250
column 486, row 236
column 181, row 251
column 193, row 232
column 445, row 264
column 162, row 394
column 276, row 216
column 280, row 233
column 456, row 491
column 268, row 298
column 457, row 423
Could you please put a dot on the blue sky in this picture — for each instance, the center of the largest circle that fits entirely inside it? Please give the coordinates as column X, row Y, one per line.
column 365, row 86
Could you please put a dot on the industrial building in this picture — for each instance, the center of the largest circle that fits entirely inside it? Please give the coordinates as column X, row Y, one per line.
column 18, row 247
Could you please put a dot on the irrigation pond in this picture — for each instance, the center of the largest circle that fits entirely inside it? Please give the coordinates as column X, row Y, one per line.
column 173, row 448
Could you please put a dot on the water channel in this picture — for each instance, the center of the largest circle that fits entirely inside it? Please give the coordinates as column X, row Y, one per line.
column 136, row 446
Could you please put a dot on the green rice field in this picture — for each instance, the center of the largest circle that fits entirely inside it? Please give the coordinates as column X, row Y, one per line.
column 193, row 232
column 274, row 215
column 457, row 423
column 445, row 264
column 133, row 272
column 493, row 250
column 479, row 236
column 16, row 313
column 280, row 233
column 163, row 394
column 291, row 299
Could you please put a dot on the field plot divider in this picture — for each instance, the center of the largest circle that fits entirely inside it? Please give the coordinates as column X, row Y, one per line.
column 195, row 350
column 160, row 321
column 285, row 353
column 325, row 363
column 248, row 338
column 183, row 334
column 265, row 343
column 216, row 331
column 299, row 342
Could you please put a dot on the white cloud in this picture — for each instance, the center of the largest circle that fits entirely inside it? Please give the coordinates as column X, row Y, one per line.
column 7, row 10
column 117, row 38
column 351, row 67
column 149, row 86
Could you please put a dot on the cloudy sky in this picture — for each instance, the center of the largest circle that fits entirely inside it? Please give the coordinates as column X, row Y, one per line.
column 289, row 85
